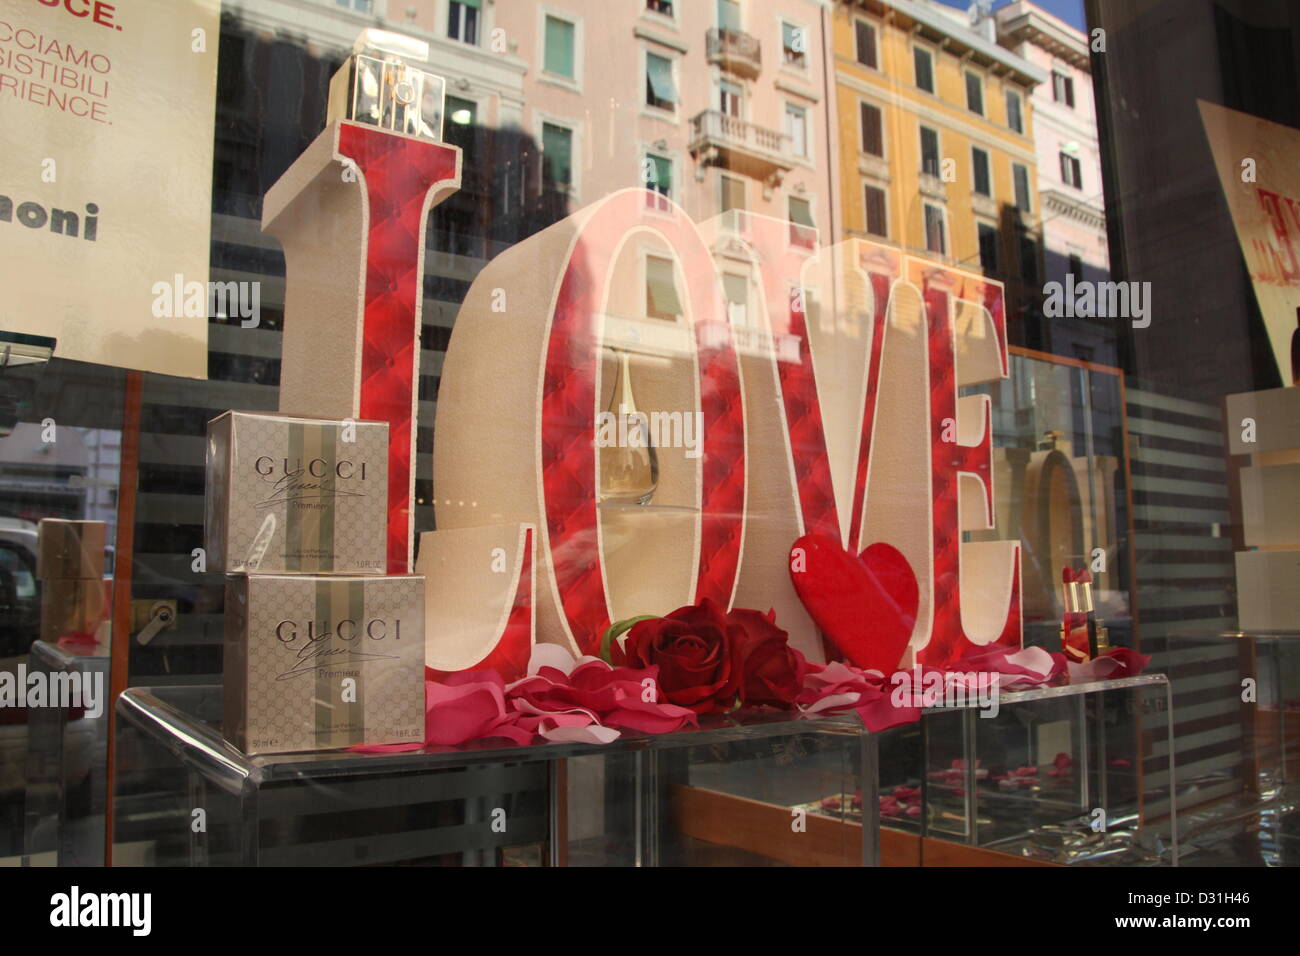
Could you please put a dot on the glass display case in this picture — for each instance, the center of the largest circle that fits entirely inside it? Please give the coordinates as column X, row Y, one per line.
column 654, row 301
column 756, row 789
column 66, row 793
column 1074, row 775
column 1237, row 708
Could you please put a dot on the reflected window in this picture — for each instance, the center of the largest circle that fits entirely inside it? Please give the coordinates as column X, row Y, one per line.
column 980, row 167
column 729, row 16
column 988, row 240
column 660, row 90
column 794, row 45
column 1063, row 89
column 796, row 127
column 875, row 204
column 557, row 154
column 733, row 193
column 873, row 137
column 923, row 65
column 936, row 238
column 730, row 97
column 865, row 37
column 659, row 180
column 462, row 20
column 802, row 231
column 1015, row 121
column 929, row 151
column 736, row 289
column 1020, row 175
column 1071, row 171
column 558, row 56
column 974, row 93
column 661, row 299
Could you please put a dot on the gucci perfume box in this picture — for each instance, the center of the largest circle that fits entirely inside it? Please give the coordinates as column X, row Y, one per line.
column 299, row 495
column 315, row 662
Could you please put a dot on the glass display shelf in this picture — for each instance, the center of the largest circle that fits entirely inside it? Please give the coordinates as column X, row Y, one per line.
column 1077, row 774
column 1237, row 723
column 739, row 790
column 67, row 751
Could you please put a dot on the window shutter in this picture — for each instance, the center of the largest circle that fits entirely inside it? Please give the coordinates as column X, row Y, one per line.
column 559, row 47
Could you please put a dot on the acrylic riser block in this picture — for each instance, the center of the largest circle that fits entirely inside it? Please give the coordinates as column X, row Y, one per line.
column 66, row 786
column 1237, row 727
column 1077, row 775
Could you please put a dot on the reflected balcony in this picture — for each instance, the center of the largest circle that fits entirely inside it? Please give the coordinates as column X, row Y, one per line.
column 734, row 51
column 741, row 147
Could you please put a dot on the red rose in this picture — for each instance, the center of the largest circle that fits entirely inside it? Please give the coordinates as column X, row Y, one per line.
column 693, row 649
column 771, row 672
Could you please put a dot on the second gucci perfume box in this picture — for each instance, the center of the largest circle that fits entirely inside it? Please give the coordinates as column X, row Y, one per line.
column 322, row 662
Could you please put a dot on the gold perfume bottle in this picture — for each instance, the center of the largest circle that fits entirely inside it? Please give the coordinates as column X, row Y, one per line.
column 383, row 84
column 629, row 466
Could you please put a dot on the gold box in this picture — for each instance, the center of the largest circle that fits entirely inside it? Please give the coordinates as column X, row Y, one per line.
column 72, row 606
column 68, row 550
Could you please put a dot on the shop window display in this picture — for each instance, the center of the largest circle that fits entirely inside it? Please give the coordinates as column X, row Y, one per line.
column 525, row 392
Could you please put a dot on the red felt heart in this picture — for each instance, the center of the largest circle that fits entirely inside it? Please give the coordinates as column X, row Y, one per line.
column 865, row 604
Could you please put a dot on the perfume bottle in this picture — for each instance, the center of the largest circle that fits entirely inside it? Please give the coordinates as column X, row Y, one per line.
column 1083, row 635
column 380, row 85
column 629, row 466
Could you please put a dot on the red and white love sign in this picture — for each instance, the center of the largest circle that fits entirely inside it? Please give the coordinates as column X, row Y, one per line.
column 834, row 470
